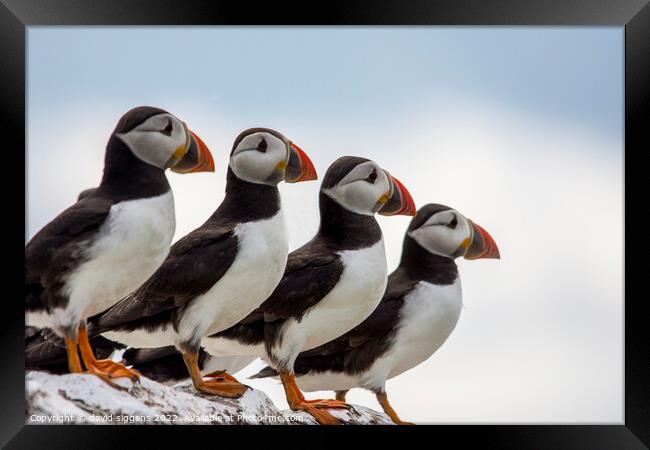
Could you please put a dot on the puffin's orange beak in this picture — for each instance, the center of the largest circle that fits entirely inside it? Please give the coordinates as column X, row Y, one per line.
column 197, row 158
column 299, row 167
column 399, row 202
column 482, row 245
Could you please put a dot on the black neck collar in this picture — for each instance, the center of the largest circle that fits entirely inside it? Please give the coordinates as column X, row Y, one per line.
column 128, row 177
column 343, row 229
column 247, row 202
column 423, row 265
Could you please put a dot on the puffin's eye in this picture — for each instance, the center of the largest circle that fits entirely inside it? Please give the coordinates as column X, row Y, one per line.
column 167, row 131
column 453, row 223
column 372, row 177
column 262, row 146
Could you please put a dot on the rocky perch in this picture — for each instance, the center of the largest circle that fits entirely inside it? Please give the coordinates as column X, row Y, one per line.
column 85, row 399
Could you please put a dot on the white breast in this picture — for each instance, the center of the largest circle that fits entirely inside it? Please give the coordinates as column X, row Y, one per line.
column 232, row 364
column 429, row 315
column 131, row 244
column 252, row 277
column 354, row 297
column 328, row 381
column 219, row 346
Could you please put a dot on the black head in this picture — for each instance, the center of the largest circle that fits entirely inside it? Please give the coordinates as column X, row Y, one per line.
column 424, row 213
column 161, row 140
column 339, row 169
column 361, row 186
column 136, row 116
column 443, row 231
column 265, row 156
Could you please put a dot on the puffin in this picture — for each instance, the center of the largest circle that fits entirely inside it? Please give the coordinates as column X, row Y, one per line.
column 331, row 283
column 416, row 315
column 45, row 350
column 114, row 237
column 220, row 272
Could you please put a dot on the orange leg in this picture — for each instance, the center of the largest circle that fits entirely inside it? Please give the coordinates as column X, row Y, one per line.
column 220, row 384
column 103, row 368
column 74, row 364
column 382, row 398
column 297, row 402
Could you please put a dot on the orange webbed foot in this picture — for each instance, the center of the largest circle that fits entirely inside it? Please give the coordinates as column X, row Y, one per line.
column 321, row 416
column 221, row 374
column 335, row 404
column 222, row 387
column 116, row 369
column 105, row 376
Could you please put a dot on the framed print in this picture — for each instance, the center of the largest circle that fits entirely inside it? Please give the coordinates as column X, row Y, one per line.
column 263, row 215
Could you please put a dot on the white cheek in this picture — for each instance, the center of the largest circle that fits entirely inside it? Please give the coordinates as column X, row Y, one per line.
column 438, row 239
column 462, row 232
column 382, row 185
column 358, row 196
column 254, row 166
column 152, row 147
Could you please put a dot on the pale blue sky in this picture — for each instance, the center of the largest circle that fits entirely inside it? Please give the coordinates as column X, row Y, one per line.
column 520, row 129
column 359, row 73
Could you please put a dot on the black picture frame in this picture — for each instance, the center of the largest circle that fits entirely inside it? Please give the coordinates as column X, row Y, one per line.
column 634, row 15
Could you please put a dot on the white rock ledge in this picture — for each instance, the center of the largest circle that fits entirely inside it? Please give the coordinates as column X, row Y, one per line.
column 85, row 399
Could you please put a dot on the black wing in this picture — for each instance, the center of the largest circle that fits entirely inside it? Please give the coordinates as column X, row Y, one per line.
column 357, row 349
column 311, row 273
column 194, row 264
column 249, row 331
column 134, row 355
column 58, row 248
column 372, row 330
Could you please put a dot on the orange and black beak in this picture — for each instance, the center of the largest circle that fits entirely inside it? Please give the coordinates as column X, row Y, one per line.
column 397, row 200
column 480, row 244
column 196, row 158
column 299, row 167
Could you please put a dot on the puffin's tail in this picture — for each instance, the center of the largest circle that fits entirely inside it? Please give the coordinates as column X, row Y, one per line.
column 144, row 355
column 45, row 350
column 266, row 372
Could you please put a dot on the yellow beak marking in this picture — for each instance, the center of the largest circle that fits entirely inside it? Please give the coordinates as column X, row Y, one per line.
column 180, row 152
